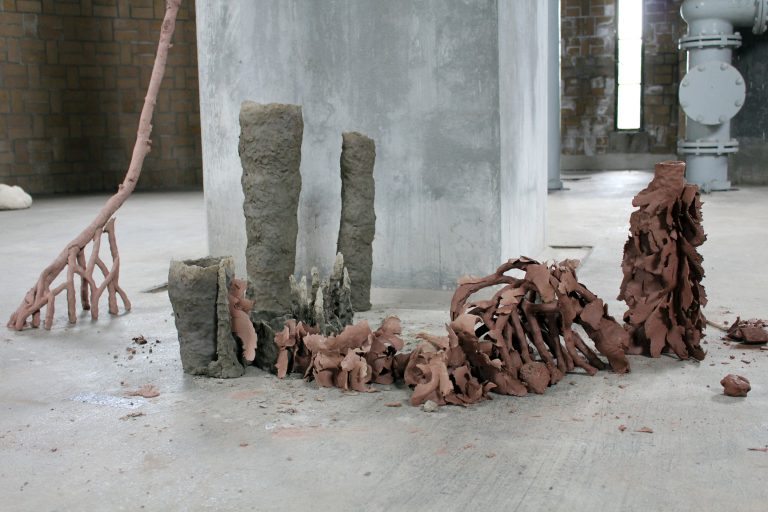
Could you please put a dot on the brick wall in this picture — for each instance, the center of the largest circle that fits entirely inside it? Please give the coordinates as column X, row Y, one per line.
column 588, row 32
column 73, row 75
column 664, row 64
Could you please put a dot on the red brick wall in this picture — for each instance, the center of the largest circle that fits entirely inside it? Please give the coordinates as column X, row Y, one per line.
column 588, row 67
column 73, row 75
column 664, row 65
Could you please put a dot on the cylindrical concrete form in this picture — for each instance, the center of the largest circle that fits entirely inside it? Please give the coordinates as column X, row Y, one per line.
column 358, row 219
column 198, row 293
column 270, row 153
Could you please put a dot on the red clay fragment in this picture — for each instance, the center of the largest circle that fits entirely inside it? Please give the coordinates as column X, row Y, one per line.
column 239, row 309
column 385, row 343
column 749, row 331
column 735, row 385
column 146, row 391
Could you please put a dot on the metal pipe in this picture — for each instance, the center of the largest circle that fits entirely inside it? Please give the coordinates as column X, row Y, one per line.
column 713, row 91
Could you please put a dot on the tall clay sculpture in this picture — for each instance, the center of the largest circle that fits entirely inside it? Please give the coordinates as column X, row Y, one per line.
column 662, row 269
column 270, row 152
column 358, row 219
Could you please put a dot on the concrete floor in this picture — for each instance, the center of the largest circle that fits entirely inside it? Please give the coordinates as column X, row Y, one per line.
column 256, row 443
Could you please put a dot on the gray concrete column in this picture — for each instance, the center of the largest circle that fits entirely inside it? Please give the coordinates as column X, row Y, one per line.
column 553, row 95
column 452, row 91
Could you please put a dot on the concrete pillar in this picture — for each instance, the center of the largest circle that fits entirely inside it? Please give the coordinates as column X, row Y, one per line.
column 553, row 95
column 270, row 152
column 358, row 218
column 524, row 121
column 452, row 91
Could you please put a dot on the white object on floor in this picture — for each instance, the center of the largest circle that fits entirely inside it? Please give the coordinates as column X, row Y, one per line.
column 14, row 198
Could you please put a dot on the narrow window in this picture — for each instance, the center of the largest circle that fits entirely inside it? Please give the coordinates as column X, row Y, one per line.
column 630, row 61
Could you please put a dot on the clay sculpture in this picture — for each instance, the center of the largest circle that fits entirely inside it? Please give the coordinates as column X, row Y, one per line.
column 510, row 344
column 270, row 153
column 325, row 309
column 199, row 294
column 662, row 268
column 326, row 304
column 72, row 257
column 524, row 321
column 358, row 219
column 350, row 360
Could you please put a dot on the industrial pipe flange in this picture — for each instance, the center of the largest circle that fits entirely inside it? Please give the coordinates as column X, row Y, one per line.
column 710, row 41
column 712, row 93
column 707, row 147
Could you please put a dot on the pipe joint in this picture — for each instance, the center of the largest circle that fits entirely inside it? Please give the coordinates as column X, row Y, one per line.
column 740, row 13
column 707, row 147
column 701, row 41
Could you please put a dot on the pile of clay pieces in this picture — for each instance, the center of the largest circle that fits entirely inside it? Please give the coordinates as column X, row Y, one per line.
column 521, row 340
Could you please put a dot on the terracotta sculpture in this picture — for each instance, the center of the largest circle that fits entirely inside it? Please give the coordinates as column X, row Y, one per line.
column 73, row 256
column 662, row 268
column 510, row 344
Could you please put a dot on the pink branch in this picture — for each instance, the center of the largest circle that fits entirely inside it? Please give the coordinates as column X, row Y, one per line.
column 40, row 294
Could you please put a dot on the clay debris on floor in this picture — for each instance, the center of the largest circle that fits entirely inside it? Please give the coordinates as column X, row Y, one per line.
column 521, row 340
column 748, row 331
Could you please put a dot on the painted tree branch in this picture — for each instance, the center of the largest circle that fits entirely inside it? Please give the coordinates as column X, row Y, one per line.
column 73, row 255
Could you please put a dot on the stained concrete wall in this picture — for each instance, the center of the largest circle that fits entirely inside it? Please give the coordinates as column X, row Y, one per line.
column 422, row 79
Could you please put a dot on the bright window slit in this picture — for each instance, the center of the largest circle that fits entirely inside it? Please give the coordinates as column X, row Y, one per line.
column 630, row 61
